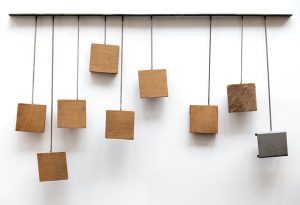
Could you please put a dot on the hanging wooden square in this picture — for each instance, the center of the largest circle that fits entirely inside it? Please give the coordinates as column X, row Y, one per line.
column 241, row 97
column 204, row 119
column 273, row 144
column 52, row 166
column 31, row 118
column 153, row 83
column 119, row 124
column 104, row 58
column 71, row 114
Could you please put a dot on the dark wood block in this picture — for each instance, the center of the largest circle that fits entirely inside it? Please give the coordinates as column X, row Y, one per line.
column 273, row 144
column 153, row 83
column 71, row 114
column 31, row 118
column 204, row 119
column 119, row 124
column 241, row 97
column 104, row 58
column 52, row 166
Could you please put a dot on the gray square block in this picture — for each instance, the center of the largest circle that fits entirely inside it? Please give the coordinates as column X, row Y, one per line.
column 272, row 144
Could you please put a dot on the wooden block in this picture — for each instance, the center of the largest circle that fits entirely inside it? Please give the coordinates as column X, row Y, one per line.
column 31, row 118
column 241, row 97
column 204, row 119
column 273, row 144
column 119, row 124
column 104, row 58
column 71, row 114
column 153, row 83
column 52, row 166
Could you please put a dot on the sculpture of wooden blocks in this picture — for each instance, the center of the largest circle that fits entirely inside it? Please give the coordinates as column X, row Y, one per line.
column 204, row 119
column 241, row 97
column 52, row 166
column 153, row 83
column 104, row 58
column 31, row 118
column 71, row 114
column 119, row 124
column 272, row 144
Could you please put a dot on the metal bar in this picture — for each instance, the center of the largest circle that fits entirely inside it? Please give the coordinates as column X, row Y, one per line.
column 155, row 14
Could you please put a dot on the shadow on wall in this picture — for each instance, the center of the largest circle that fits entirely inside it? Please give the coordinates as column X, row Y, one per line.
column 69, row 139
column 104, row 79
column 28, row 141
column 116, row 154
column 235, row 123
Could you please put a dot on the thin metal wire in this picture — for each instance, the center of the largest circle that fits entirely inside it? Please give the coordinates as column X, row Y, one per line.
column 268, row 73
column 209, row 61
column 151, row 27
column 121, row 83
column 33, row 64
column 104, row 29
column 242, row 46
column 52, row 73
column 78, row 38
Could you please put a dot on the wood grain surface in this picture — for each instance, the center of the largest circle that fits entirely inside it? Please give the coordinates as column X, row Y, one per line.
column 71, row 114
column 241, row 97
column 204, row 119
column 104, row 58
column 52, row 166
column 153, row 83
column 31, row 118
column 119, row 124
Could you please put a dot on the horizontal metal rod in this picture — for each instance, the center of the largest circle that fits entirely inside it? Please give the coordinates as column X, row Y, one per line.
column 155, row 14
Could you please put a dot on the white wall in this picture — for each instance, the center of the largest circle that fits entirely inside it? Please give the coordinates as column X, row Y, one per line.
column 165, row 164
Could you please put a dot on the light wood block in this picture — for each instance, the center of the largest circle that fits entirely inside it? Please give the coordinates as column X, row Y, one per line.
column 272, row 144
column 71, row 114
column 119, row 124
column 52, row 166
column 104, row 58
column 153, row 83
column 31, row 118
column 204, row 119
column 241, row 97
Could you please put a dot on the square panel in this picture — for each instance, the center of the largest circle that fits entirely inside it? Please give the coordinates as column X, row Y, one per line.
column 153, row 83
column 31, row 118
column 119, row 124
column 273, row 144
column 52, row 166
column 204, row 119
column 241, row 97
column 71, row 114
column 104, row 58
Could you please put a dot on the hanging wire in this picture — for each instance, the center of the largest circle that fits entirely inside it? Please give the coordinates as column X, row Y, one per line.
column 151, row 29
column 78, row 27
column 33, row 64
column 268, row 73
column 121, row 83
column 104, row 30
column 242, row 46
column 52, row 72
column 209, row 61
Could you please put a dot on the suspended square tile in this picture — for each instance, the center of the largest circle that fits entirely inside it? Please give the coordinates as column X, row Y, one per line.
column 52, row 166
column 71, row 114
column 153, row 83
column 31, row 118
column 204, row 119
column 241, row 97
column 119, row 124
column 104, row 58
column 273, row 144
